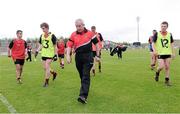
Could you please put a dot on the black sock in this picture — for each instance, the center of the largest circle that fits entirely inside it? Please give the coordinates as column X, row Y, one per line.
column 167, row 79
column 47, row 81
column 152, row 65
column 157, row 73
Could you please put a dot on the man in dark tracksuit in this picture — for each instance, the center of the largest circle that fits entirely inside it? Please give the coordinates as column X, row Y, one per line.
column 119, row 52
column 81, row 40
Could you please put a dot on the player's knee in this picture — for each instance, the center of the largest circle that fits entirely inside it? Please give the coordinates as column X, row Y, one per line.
column 44, row 67
column 47, row 68
column 21, row 69
column 166, row 67
column 17, row 68
column 161, row 67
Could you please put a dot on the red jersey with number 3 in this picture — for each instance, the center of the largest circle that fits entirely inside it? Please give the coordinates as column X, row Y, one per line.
column 18, row 48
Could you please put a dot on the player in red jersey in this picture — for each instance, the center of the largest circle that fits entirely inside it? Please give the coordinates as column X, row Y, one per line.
column 17, row 50
column 61, row 49
column 100, row 44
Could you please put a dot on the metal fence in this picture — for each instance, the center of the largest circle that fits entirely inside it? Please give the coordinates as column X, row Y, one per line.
column 4, row 46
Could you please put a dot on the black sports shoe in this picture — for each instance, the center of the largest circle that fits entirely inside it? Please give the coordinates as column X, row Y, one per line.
column 82, row 100
column 167, row 82
column 54, row 75
column 157, row 77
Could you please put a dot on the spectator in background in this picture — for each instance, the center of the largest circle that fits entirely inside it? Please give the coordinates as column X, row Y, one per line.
column 29, row 51
column 119, row 50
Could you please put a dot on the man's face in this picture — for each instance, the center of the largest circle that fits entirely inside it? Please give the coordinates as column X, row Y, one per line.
column 164, row 27
column 79, row 26
column 19, row 34
column 93, row 30
column 45, row 30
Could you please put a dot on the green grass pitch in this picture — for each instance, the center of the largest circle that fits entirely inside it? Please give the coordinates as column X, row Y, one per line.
column 123, row 86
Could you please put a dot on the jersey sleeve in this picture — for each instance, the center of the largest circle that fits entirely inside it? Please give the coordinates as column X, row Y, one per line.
column 40, row 41
column 54, row 39
column 11, row 44
column 155, row 38
column 25, row 44
column 172, row 40
column 70, row 42
column 101, row 38
column 94, row 40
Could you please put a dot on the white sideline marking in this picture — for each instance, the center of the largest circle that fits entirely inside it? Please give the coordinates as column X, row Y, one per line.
column 11, row 109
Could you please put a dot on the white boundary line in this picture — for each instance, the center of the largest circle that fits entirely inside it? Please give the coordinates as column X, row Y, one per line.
column 11, row 109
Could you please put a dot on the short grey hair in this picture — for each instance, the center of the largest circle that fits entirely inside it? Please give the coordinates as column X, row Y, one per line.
column 79, row 21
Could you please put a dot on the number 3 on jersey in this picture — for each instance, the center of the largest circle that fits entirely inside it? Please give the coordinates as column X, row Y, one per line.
column 164, row 43
column 45, row 43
